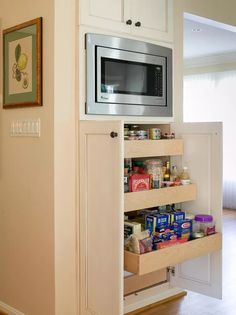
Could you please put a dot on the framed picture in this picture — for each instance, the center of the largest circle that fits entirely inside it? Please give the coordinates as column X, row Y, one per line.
column 22, row 65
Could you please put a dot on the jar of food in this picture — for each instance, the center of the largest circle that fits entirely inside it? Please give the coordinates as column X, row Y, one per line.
column 154, row 169
column 204, row 223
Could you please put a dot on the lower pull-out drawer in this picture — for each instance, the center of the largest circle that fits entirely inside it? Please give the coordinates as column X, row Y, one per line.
column 149, row 262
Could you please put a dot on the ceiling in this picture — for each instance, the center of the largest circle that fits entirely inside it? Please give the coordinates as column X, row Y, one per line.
column 210, row 39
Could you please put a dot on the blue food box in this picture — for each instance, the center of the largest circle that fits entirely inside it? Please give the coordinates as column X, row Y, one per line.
column 162, row 221
column 177, row 216
column 150, row 223
column 183, row 229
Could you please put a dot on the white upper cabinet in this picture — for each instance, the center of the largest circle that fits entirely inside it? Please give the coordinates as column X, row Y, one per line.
column 152, row 19
column 106, row 14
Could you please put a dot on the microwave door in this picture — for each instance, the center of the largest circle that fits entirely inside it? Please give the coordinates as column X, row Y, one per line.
column 125, row 77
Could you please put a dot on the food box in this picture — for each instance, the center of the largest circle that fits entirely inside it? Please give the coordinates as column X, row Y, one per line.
column 139, row 182
column 131, row 228
column 183, row 229
column 161, row 221
column 150, row 223
column 176, row 216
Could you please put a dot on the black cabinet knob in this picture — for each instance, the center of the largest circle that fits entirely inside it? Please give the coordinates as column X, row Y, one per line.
column 129, row 22
column 113, row 134
column 138, row 24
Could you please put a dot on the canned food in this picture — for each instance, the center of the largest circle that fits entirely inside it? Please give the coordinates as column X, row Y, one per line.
column 154, row 133
column 141, row 132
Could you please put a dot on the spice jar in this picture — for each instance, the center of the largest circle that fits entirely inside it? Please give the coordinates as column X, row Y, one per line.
column 204, row 223
column 154, row 168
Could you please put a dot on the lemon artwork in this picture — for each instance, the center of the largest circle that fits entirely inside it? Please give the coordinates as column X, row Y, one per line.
column 19, row 66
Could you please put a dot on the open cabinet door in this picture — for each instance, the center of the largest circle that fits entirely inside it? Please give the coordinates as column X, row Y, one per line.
column 101, row 218
column 203, row 157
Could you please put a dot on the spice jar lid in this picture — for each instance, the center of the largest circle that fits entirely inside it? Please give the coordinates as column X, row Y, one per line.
column 203, row 218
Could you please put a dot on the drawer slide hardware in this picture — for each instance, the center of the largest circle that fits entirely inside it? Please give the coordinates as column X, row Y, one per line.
column 171, row 271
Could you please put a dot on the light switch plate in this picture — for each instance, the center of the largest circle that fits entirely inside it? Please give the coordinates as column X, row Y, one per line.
column 25, row 128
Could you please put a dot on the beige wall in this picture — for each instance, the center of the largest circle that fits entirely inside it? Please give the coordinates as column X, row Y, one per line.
column 65, row 160
column 38, row 175
column 218, row 10
column 26, row 184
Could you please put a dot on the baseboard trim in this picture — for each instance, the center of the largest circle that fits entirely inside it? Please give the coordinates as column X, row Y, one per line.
column 9, row 310
column 151, row 297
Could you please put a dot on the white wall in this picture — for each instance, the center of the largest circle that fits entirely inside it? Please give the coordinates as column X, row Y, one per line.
column 218, row 10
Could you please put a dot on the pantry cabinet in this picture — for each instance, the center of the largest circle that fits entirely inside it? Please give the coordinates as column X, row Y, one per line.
column 197, row 264
column 151, row 19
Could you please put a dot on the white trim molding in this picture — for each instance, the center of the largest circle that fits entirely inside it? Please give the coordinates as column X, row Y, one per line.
column 9, row 310
column 219, row 59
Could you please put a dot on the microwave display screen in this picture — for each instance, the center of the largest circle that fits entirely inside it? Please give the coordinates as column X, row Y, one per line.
column 129, row 77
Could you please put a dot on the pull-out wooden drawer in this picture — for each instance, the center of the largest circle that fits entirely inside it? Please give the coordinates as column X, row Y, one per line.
column 149, row 148
column 149, row 262
column 159, row 197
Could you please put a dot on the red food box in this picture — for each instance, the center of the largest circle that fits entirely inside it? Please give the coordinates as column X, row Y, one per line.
column 139, row 182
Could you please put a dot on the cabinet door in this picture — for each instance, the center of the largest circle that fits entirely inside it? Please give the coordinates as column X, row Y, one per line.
column 106, row 14
column 156, row 18
column 101, row 219
column 203, row 156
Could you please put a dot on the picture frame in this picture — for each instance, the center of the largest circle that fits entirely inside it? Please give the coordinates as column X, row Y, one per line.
column 22, row 65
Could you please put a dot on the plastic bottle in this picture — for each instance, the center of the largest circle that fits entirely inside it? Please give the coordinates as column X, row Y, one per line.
column 184, row 177
column 174, row 174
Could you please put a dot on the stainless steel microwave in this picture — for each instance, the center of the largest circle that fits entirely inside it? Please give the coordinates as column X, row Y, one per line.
column 127, row 77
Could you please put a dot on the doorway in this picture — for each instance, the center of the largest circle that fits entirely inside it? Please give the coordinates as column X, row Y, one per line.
column 209, row 86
